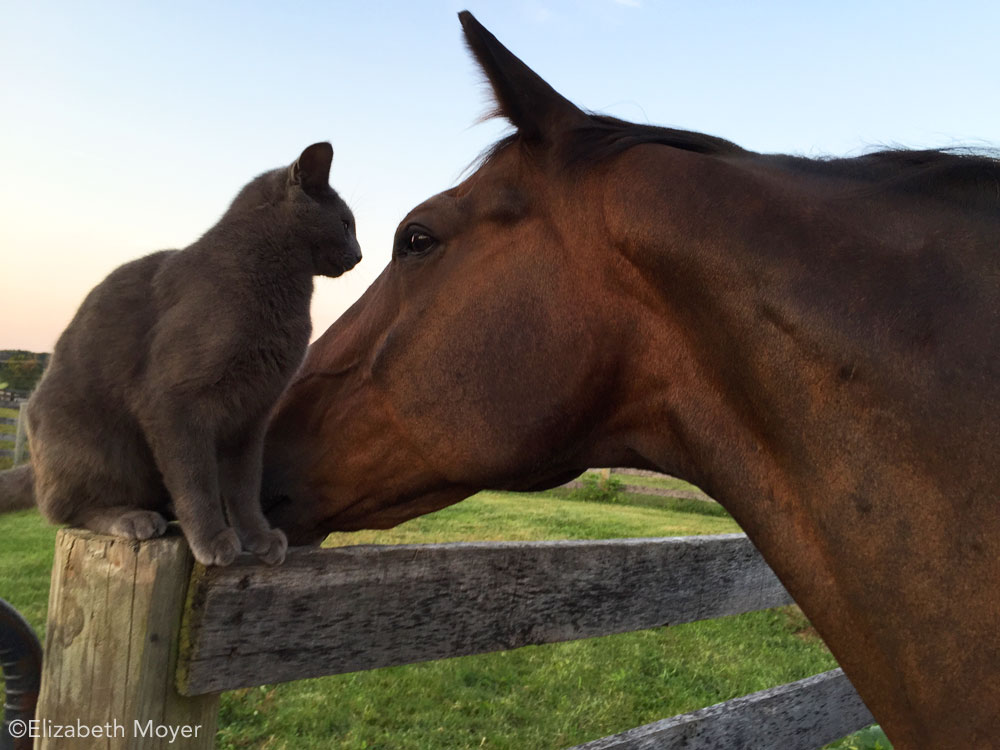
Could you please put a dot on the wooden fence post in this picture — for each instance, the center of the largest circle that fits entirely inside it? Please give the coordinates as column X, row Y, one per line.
column 115, row 610
column 20, row 435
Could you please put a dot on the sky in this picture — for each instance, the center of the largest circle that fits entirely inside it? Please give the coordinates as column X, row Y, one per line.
column 129, row 127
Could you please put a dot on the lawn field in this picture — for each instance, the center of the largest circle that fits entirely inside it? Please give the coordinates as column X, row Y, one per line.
column 551, row 696
column 660, row 482
column 7, row 429
column 9, row 414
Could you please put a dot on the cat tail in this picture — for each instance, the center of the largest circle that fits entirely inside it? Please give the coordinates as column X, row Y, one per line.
column 17, row 489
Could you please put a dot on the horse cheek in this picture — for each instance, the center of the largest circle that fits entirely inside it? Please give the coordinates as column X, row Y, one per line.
column 503, row 402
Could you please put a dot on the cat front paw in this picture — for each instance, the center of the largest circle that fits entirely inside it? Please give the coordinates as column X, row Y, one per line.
column 221, row 550
column 269, row 546
column 139, row 524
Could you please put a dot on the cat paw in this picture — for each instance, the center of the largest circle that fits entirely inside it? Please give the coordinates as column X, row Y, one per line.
column 139, row 524
column 270, row 546
column 222, row 550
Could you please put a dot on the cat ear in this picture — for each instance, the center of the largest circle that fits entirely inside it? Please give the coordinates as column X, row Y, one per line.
column 312, row 169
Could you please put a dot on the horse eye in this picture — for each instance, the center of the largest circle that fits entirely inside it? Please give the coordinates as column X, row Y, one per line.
column 420, row 243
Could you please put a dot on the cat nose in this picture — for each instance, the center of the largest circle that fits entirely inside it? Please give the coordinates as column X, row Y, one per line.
column 355, row 254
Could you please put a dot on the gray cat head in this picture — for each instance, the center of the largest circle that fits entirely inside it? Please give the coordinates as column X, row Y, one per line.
column 309, row 211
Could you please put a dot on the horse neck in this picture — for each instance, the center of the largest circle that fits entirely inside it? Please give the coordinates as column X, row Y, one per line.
column 780, row 303
column 802, row 367
column 711, row 319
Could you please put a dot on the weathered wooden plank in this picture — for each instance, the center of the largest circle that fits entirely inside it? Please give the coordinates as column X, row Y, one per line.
column 801, row 715
column 21, row 438
column 8, row 420
column 356, row 608
column 111, row 647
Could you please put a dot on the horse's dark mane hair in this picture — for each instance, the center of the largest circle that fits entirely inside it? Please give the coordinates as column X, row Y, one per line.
column 603, row 137
column 971, row 176
column 962, row 174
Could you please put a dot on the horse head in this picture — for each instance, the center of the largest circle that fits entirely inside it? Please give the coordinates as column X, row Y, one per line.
column 495, row 349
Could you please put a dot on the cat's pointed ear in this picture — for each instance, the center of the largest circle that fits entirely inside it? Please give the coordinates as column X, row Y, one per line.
column 312, row 169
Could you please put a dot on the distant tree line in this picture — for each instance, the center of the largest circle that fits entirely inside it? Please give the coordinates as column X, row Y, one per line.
column 20, row 370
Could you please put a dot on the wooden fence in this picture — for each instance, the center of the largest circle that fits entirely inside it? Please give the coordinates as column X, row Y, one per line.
column 141, row 639
column 18, row 439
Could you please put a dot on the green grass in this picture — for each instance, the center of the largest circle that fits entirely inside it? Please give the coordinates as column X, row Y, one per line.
column 675, row 504
column 536, row 697
column 661, row 482
column 872, row 738
column 682, row 505
column 7, row 429
column 494, row 516
column 26, row 563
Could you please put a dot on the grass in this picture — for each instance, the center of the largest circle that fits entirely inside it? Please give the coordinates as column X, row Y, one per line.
column 682, row 505
column 495, row 516
column 661, row 482
column 674, row 504
column 536, row 697
column 26, row 563
column 7, row 429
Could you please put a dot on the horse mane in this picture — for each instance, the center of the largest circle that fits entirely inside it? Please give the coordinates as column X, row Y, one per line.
column 967, row 175
column 602, row 137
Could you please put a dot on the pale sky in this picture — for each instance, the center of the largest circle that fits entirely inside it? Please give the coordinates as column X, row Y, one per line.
column 128, row 127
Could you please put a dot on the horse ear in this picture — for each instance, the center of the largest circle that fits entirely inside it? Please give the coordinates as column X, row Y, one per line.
column 312, row 169
column 532, row 106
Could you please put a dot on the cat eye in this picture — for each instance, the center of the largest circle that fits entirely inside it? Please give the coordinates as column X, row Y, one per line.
column 347, row 226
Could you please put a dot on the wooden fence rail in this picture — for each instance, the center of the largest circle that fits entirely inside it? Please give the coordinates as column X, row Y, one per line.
column 137, row 634
column 801, row 715
column 330, row 611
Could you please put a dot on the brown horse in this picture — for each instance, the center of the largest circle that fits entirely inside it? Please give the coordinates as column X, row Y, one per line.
column 814, row 343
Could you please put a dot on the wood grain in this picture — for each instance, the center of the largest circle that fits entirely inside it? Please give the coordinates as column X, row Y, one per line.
column 111, row 645
column 801, row 715
column 357, row 608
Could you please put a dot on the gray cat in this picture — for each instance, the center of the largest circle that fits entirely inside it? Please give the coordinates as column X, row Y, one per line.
column 159, row 391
